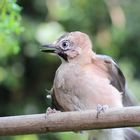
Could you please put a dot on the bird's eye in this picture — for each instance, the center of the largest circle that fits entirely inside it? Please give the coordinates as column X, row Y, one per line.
column 65, row 45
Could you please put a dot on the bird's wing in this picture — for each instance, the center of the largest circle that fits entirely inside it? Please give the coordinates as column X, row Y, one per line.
column 117, row 79
column 115, row 75
column 55, row 103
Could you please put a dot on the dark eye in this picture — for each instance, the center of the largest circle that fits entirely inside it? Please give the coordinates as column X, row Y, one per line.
column 65, row 44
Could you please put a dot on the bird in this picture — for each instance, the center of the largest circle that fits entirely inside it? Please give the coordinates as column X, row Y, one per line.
column 86, row 80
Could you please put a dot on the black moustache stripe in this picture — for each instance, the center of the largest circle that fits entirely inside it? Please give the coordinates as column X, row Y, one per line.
column 63, row 55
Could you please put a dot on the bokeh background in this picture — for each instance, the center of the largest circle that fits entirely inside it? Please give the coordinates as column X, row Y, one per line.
column 25, row 72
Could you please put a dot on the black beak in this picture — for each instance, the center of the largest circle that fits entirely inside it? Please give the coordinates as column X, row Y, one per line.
column 50, row 48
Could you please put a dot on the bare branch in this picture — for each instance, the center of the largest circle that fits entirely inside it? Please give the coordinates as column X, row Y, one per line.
column 70, row 121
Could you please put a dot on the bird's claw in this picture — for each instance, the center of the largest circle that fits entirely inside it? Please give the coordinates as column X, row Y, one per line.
column 101, row 108
column 50, row 111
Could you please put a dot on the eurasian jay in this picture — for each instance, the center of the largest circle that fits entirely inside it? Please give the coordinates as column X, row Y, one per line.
column 85, row 80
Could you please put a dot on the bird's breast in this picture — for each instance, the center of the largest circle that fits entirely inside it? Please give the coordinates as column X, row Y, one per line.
column 67, row 76
column 84, row 88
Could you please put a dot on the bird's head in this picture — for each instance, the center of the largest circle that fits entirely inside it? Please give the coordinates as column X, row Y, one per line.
column 70, row 46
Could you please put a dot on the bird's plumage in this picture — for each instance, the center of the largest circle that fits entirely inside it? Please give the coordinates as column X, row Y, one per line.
column 94, row 81
column 86, row 79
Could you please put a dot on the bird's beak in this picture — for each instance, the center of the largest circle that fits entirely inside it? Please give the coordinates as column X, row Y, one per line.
column 50, row 48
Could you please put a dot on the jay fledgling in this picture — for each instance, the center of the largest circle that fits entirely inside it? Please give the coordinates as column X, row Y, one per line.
column 85, row 80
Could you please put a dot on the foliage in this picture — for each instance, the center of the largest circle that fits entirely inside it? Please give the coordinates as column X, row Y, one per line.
column 10, row 27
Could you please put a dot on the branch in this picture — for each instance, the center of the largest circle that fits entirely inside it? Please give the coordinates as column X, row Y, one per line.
column 70, row 121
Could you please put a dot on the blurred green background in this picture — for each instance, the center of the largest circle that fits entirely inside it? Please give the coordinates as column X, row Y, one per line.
column 25, row 72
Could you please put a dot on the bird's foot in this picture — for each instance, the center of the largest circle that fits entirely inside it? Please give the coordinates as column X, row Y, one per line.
column 101, row 108
column 51, row 111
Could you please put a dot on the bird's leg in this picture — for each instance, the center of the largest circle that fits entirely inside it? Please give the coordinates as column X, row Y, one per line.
column 101, row 108
column 49, row 110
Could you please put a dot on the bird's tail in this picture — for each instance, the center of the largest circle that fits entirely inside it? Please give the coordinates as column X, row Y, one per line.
column 131, row 134
column 115, row 134
column 129, row 99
